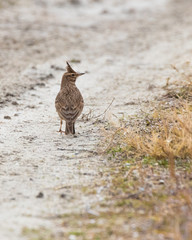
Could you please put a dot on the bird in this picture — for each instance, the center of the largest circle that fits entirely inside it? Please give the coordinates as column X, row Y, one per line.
column 69, row 102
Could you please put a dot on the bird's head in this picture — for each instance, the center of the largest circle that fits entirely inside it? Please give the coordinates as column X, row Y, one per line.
column 70, row 76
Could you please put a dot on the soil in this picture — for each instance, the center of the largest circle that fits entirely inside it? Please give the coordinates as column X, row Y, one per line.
column 126, row 48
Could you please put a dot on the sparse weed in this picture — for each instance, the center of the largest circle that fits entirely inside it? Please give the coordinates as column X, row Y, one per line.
column 38, row 234
column 167, row 139
column 146, row 151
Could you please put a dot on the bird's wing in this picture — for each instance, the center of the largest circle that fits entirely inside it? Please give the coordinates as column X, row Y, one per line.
column 70, row 113
column 67, row 108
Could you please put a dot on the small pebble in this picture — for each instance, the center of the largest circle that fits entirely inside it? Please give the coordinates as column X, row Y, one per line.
column 63, row 195
column 40, row 195
column 161, row 181
column 15, row 103
column 31, row 106
column 9, row 95
column 7, row 117
column 40, row 84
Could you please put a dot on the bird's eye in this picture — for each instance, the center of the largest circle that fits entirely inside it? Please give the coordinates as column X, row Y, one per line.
column 73, row 75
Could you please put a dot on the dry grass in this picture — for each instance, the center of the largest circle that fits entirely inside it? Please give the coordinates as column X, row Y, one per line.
column 169, row 138
column 181, row 87
column 166, row 133
column 144, row 153
column 140, row 199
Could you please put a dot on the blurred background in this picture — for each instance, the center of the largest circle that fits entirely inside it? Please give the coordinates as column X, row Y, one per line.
column 126, row 47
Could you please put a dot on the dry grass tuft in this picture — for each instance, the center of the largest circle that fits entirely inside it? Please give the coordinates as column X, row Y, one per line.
column 181, row 87
column 146, row 151
column 169, row 138
column 165, row 134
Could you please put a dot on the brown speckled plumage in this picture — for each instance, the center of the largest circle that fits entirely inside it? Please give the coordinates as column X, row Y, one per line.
column 69, row 101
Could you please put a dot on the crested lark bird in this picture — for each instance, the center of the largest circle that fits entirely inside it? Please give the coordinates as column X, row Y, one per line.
column 69, row 101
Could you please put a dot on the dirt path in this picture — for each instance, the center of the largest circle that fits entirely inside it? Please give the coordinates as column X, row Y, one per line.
column 125, row 47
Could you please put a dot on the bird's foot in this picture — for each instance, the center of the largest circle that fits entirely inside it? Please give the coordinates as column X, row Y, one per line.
column 61, row 131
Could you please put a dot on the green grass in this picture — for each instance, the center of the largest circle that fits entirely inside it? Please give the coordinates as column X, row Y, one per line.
column 37, row 234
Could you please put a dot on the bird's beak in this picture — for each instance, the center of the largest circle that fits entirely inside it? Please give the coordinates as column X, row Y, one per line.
column 79, row 74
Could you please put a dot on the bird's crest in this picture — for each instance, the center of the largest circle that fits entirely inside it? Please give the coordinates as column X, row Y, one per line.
column 69, row 68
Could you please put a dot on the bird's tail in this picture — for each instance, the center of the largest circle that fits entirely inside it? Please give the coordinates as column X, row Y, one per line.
column 70, row 128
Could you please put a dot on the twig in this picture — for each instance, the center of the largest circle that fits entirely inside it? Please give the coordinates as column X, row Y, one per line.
column 61, row 187
column 106, row 109
column 77, row 150
column 96, row 117
column 112, row 139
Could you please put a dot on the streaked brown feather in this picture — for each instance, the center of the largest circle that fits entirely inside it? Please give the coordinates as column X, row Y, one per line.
column 69, row 105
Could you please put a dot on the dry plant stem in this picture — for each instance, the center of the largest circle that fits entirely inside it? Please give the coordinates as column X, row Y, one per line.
column 61, row 187
column 112, row 140
column 103, row 112
column 105, row 109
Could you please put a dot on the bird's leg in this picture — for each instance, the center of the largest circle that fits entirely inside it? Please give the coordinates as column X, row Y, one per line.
column 61, row 122
column 73, row 128
column 74, row 135
column 60, row 130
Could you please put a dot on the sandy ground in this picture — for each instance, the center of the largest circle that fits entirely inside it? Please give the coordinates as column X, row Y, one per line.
column 125, row 46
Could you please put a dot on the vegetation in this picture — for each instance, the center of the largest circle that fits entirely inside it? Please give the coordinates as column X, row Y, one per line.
column 147, row 186
column 152, row 158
